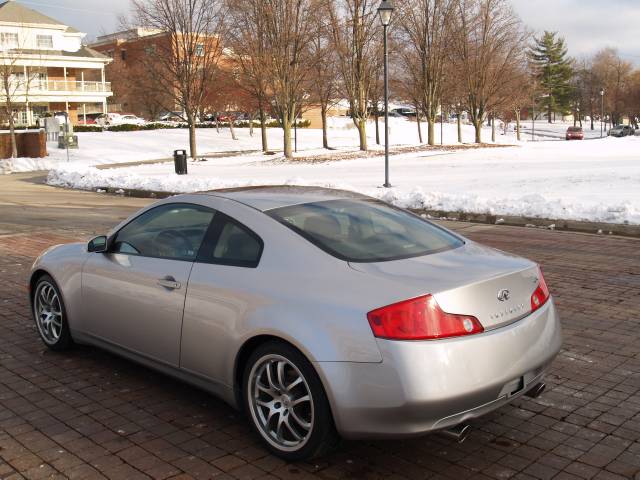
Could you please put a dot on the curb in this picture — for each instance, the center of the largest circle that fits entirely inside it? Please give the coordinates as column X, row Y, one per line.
column 600, row 228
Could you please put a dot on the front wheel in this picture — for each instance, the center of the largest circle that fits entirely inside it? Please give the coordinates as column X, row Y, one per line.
column 50, row 315
column 286, row 403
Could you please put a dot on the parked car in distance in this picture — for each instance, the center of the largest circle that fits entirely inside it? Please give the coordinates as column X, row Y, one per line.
column 170, row 117
column 129, row 119
column 318, row 312
column 575, row 133
column 119, row 119
column 405, row 112
column 60, row 116
column 90, row 118
column 621, row 131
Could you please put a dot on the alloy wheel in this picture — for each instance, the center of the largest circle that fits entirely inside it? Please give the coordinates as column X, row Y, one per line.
column 48, row 312
column 281, row 403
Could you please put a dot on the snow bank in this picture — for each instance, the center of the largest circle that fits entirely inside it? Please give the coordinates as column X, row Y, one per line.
column 597, row 180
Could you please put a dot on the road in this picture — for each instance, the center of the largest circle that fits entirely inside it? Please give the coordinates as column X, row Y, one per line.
column 87, row 414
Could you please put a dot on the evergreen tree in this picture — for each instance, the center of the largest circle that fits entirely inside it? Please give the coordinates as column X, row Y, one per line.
column 554, row 73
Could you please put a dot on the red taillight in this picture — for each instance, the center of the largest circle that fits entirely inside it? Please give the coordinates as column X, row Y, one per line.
column 541, row 294
column 420, row 319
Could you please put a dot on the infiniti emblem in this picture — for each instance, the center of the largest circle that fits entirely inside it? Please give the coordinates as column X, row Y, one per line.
column 503, row 295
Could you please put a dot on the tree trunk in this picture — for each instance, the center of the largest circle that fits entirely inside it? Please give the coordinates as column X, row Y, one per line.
column 459, row 127
column 477, row 125
column 419, row 125
column 325, row 136
column 286, row 128
column 251, row 124
column 217, row 124
column 549, row 112
column 231, row 128
column 592, row 127
column 518, row 125
column 362, row 132
column 12, row 134
column 377, row 117
column 431, row 132
column 192, row 138
column 493, row 129
column 263, row 129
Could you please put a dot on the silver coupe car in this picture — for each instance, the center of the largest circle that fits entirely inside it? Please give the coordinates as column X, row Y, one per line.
column 318, row 312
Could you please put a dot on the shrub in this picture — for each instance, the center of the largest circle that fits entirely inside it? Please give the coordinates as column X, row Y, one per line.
column 87, row 128
column 125, row 127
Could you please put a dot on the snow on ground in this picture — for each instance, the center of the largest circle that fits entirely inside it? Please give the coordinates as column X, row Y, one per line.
column 597, row 180
column 97, row 148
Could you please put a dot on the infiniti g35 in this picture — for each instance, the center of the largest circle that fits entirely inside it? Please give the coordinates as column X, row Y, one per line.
column 318, row 312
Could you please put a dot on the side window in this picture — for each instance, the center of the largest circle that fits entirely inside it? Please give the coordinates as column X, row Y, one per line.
column 236, row 245
column 172, row 231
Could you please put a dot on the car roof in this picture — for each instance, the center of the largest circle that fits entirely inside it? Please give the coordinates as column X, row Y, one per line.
column 265, row 198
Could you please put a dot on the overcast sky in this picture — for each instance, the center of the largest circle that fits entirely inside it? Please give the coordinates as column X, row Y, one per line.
column 587, row 25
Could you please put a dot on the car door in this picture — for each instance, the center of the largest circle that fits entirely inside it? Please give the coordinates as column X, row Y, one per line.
column 134, row 294
column 220, row 295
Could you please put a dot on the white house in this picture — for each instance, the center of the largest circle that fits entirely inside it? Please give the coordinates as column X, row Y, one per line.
column 47, row 67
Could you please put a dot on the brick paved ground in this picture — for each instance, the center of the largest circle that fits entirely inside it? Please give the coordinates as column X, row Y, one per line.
column 87, row 414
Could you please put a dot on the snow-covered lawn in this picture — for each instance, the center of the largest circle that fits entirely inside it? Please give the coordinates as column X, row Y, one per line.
column 596, row 180
column 122, row 147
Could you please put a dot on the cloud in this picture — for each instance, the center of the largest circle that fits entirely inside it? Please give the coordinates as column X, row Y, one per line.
column 587, row 25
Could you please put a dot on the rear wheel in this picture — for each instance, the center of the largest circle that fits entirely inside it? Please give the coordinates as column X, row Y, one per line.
column 286, row 403
column 50, row 315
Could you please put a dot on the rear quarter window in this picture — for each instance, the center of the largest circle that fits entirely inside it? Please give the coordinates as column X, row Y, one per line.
column 365, row 231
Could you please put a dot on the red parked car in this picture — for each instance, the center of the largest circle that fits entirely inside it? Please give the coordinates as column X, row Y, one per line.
column 575, row 133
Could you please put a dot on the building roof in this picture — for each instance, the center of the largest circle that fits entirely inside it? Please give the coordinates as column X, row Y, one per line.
column 84, row 52
column 14, row 12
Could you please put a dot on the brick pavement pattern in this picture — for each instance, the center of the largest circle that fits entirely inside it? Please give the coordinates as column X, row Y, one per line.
column 87, row 414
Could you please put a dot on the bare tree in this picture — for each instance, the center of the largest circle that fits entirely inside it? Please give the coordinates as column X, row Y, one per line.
column 15, row 83
column 489, row 44
column 323, row 82
column 356, row 35
column 285, row 27
column 247, row 40
column 425, row 30
column 186, row 57
column 614, row 74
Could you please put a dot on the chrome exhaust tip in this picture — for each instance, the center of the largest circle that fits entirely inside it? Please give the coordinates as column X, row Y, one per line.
column 458, row 433
column 536, row 391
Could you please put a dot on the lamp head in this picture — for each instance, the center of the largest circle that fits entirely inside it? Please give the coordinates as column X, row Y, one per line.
column 385, row 10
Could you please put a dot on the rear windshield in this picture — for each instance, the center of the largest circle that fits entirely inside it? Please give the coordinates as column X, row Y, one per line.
column 575, row 129
column 365, row 231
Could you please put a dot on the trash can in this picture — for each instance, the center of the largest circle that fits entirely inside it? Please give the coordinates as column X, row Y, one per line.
column 180, row 161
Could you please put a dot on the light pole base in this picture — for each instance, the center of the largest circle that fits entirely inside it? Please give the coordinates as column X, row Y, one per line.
column 387, row 185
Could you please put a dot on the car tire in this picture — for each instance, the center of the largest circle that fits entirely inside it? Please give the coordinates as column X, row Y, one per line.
column 277, row 379
column 50, row 315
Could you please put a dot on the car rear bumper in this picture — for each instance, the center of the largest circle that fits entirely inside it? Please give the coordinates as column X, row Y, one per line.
column 424, row 386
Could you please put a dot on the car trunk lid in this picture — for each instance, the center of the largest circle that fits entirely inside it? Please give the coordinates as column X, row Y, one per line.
column 490, row 285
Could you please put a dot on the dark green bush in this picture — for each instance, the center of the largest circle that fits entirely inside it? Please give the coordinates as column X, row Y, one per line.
column 87, row 128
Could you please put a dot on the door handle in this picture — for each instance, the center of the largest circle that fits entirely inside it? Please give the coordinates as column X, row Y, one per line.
column 169, row 282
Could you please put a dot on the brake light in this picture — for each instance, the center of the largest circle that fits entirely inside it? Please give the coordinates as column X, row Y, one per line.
column 420, row 319
column 541, row 294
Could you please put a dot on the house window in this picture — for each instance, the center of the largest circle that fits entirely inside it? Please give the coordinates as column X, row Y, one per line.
column 200, row 50
column 44, row 41
column 123, row 55
column 8, row 40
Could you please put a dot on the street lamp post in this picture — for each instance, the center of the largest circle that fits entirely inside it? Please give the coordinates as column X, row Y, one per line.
column 384, row 11
column 601, row 110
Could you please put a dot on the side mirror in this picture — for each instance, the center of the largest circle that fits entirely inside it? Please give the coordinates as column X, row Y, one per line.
column 98, row 244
